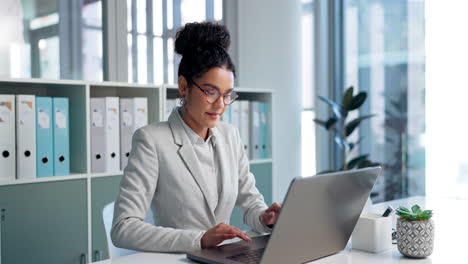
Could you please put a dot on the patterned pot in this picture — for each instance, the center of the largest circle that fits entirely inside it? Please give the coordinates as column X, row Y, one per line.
column 415, row 239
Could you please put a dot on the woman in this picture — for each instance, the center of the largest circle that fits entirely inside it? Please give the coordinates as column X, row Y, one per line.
column 191, row 170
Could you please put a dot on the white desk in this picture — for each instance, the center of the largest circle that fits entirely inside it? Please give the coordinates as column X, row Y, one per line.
column 450, row 245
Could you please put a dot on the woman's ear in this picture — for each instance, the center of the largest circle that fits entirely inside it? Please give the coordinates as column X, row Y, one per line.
column 183, row 85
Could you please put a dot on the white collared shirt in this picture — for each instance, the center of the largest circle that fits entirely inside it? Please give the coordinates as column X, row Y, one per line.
column 204, row 152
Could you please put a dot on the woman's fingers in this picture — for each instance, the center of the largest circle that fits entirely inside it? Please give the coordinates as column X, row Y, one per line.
column 225, row 236
column 271, row 214
column 227, row 229
column 275, row 207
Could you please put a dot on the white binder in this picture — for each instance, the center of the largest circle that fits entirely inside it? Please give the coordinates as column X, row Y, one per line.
column 98, row 135
column 112, row 134
column 244, row 125
column 133, row 115
column 26, row 136
column 254, row 130
column 7, row 138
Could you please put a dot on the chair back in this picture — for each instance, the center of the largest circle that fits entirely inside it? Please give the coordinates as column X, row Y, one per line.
column 107, row 216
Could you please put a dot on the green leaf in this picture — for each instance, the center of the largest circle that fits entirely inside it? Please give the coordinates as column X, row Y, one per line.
column 335, row 107
column 347, row 97
column 351, row 126
column 367, row 163
column 320, row 122
column 331, row 122
column 425, row 215
column 415, row 214
column 416, row 209
column 354, row 162
column 404, row 209
column 357, row 101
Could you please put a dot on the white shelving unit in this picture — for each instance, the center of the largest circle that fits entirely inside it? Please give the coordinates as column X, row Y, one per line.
column 79, row 94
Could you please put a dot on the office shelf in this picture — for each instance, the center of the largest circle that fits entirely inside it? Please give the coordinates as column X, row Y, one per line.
column 88, row 192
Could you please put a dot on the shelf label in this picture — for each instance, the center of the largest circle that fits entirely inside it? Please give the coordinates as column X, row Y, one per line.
column 96, row 118
column 43, row 119
column 60, row 119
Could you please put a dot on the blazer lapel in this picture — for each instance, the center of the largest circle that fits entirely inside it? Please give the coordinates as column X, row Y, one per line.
column 187, row 154
column 223, row 161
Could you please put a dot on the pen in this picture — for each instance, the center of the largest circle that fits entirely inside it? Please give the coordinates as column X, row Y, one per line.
column 388, row 211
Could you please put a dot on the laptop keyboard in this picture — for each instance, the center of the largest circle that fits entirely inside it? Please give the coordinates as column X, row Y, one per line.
column 249, row 257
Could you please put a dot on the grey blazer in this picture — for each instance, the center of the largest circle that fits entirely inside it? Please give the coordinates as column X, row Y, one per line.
column 163, row 173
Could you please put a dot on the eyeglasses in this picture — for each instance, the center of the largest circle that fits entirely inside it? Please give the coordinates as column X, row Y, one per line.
column 213, row 95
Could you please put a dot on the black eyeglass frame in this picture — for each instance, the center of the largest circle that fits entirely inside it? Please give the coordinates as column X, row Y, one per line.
column 231, row 93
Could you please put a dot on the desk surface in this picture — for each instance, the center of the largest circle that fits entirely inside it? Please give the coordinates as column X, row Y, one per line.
column 451, row 233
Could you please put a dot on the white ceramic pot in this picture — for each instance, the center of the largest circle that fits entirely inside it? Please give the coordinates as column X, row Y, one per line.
column 415, row 239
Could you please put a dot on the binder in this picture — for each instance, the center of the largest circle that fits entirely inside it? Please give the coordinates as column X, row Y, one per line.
column 263, row 109
column 235, row 114
column 254, row 130
column 44, row 137
column 26, row 136
column 61, row 132
column 141, row 112
column 98, row 135
column 244, row 125
column 112, row 150
column 7, row 138
column 133, row 115
column 226, row 117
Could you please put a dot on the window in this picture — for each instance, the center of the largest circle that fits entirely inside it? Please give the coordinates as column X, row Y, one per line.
column 308, row 87
column 92, row 40
column 446, row 141
column 385, row 56
column 51, row 39
column 151, row 30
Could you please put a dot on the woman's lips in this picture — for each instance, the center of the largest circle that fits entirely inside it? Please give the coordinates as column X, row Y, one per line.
column 213, row 115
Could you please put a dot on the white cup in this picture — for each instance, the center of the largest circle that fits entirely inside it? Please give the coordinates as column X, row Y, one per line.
column 373, row 233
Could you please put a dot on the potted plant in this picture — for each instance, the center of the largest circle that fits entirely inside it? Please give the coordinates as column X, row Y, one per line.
column 342, row 128
column 415, row 232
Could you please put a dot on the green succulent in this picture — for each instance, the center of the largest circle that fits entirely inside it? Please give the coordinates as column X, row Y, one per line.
column 415, row 214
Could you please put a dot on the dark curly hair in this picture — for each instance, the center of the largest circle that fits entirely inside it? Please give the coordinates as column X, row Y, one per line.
column 202, row 46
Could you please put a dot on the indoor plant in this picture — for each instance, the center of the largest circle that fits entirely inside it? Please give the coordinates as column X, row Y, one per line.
column 415, row 232
column 342, row 128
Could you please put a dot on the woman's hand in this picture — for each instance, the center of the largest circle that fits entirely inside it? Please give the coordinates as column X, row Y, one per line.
column 270, row 215
column 221, row 232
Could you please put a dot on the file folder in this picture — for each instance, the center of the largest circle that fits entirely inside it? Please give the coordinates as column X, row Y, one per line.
column 263, row 108
column 112, row 134
column 44, row 137
column 98, row 135
column 7, row 138
column 61, row 132
column 133, row 115
column 26, row 136
column 226, row 117
column 244, row 125
column 235, row 114
column 255, row 130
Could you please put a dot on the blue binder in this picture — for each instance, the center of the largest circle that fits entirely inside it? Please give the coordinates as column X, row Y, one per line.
column 44, row 137
column 227, row 115
column 61, row 136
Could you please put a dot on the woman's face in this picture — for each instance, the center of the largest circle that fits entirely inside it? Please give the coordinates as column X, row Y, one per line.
column 199, row 114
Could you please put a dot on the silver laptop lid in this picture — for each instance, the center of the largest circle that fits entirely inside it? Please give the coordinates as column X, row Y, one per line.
column 319, row 215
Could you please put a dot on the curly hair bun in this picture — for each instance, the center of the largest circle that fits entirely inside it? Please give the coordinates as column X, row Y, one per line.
column 195, row 37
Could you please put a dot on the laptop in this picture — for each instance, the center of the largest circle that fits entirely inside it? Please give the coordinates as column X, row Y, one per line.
column 317, row 218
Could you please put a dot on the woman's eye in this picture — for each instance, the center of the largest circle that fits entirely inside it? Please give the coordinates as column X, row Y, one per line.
column 212, row 92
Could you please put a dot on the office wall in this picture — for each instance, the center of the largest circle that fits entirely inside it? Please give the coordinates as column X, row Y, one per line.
column 268, row 48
